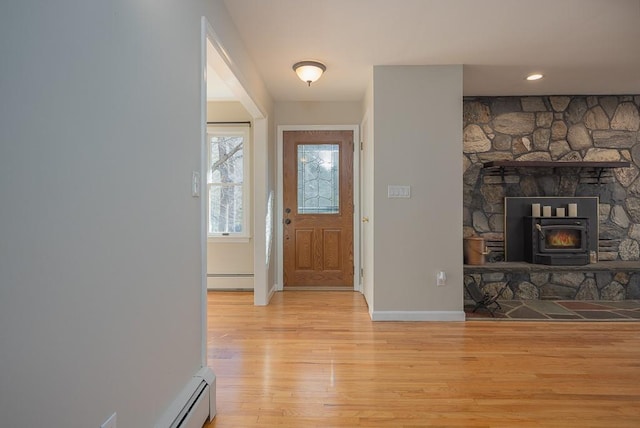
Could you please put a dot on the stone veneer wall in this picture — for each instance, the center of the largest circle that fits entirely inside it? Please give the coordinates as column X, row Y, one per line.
column 558, row 128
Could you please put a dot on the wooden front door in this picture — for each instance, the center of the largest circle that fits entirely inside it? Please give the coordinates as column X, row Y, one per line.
column 318, row 208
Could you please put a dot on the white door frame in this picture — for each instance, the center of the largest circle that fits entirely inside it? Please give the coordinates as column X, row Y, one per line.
column 366, row 208
column 357, row 286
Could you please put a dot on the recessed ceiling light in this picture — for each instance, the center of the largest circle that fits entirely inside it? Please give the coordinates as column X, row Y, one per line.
column 535, row 76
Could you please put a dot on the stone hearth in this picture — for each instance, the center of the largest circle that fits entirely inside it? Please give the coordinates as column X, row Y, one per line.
column 556, row 128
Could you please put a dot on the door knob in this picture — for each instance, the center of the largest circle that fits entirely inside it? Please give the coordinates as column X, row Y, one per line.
column 287, row 221
column 365, row 219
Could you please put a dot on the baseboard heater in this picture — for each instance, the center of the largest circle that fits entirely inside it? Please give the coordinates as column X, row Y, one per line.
column 230, row 281
column 229, row 275
column 195, row 405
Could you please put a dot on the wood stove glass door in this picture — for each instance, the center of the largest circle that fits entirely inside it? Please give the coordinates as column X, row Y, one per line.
column 562, row 238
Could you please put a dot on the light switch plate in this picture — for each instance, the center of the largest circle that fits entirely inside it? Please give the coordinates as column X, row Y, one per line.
column 395, row 191
column 195, row 184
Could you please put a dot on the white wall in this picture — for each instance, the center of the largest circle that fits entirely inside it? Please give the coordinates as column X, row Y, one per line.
column 100, row 264
column 318, row 113
column 227, row 111
column 417, row 138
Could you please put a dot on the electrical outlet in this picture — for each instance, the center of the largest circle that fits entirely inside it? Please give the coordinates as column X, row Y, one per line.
column 441, row 279
column 111, row 422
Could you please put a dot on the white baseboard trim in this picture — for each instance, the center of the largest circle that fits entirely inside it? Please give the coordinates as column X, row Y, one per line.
column 230, row 282
column 271, row 292
column 417, row 316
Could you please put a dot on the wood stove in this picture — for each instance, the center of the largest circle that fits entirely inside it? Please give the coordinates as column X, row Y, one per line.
column 540, row 237
column 556, row 240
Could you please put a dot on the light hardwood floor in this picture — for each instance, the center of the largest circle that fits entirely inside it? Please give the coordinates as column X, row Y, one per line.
column 314, row 359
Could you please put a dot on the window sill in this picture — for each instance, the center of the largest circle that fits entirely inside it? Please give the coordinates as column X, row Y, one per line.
column 228, row 239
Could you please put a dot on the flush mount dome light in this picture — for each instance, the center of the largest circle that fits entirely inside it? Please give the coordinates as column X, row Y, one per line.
column 535, row 76
column 309, row 71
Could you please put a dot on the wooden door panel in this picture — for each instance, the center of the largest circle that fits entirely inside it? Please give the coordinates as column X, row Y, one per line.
column 331, row 251
column 318, row 228
column 304, row 249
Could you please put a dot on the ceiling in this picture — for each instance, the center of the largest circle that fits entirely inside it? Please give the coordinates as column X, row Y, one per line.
column 217, row 90
column 581, row 46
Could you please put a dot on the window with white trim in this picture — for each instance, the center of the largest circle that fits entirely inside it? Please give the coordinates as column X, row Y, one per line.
column 228, row 182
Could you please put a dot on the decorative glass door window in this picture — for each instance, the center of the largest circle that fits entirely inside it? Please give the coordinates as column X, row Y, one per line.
column 318, row 179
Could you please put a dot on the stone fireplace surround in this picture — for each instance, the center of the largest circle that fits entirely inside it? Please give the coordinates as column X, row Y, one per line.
column 556, row 128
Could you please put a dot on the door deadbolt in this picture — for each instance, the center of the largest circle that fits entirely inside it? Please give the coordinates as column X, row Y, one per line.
column 287, row 221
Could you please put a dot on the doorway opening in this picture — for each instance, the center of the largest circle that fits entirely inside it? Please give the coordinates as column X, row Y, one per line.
column 225, row 99
column 318, row 178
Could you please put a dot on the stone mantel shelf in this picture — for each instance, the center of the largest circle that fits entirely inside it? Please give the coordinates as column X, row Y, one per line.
column 511, row 267
column 555, row 164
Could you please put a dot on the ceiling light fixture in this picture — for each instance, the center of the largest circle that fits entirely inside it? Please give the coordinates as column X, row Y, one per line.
column 535, row 76
column 309, row 71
